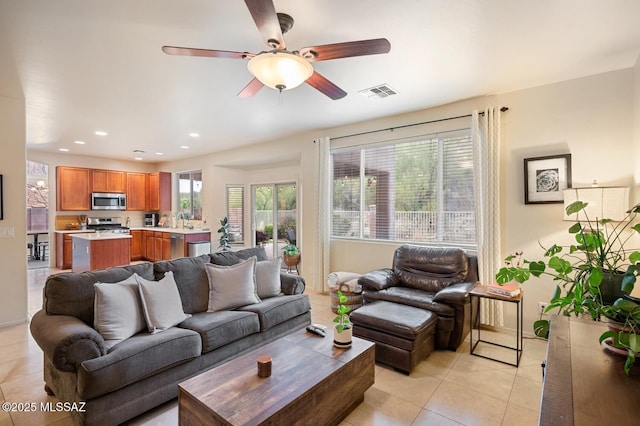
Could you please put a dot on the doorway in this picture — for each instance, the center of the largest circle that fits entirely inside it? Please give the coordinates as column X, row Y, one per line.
column 38, row 249
column 275, row 217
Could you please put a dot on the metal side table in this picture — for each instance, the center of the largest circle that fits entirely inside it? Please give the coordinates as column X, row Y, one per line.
column 479, row 292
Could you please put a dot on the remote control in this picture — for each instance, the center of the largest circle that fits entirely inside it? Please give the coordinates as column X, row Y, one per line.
column 316, row 330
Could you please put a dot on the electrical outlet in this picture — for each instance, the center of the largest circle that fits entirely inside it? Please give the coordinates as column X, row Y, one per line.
column 542, row 306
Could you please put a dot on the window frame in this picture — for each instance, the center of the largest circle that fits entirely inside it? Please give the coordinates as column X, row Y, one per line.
column 361, row 148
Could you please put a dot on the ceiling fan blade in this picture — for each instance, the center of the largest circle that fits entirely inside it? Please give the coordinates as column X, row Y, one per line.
column 320, row 83
column 346, row 50
column 251, row 89
column 189, row 51
column 266, row 19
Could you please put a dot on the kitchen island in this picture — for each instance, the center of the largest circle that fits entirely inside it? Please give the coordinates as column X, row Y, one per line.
column 99, row 251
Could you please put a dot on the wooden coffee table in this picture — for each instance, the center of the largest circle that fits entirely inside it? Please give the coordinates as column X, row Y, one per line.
column 311, row 382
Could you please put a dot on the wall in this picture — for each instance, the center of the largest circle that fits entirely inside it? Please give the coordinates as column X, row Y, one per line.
column 591, row 118
column 13, row 255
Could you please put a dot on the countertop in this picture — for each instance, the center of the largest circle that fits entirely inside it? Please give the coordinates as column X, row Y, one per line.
column 101, row 236
column 74, row 231
column 184, row 231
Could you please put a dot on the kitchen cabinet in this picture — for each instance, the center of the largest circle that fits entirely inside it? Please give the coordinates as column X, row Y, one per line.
column 63, row 251
column 136, row 191
column 149, row 243
column 136, row 245
column 73, row 189
column 159, row 191
column 108, row 181
column 92, row 252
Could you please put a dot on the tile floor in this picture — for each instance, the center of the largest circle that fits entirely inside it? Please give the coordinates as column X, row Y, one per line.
column 447, row 388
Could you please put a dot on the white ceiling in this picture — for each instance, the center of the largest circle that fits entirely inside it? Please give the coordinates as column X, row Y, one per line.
column 85, row 65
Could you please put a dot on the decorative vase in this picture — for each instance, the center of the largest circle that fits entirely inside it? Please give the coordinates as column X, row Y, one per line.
column 342, row 339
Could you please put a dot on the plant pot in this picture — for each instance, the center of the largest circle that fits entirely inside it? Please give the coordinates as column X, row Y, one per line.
column 291, row 259
column 343, row 339
column 610, row 287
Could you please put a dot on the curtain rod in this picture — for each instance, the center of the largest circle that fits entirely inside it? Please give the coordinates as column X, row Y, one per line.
column 503, row 109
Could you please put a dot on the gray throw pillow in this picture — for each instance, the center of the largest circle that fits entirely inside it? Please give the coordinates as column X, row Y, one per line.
column 117, row 310
column 232, row 286
column 161, row 303
column 268, row 277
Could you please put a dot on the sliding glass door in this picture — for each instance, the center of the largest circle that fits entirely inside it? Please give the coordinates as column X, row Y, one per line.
column 274, row 216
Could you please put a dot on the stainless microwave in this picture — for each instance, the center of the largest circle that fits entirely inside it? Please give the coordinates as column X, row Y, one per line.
column 108, row 201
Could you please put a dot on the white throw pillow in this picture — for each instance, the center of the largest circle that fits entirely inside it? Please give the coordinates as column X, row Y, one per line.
column 117, row 310
column 268, row 277
column 232, row 286
column 161, row 303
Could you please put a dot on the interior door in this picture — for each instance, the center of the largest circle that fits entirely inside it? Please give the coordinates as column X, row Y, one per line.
column 275, row 216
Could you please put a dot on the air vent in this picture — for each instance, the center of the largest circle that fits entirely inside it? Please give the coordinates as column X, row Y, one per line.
column 378, row 92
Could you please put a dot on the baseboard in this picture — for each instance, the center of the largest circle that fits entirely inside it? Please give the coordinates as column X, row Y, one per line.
column 12, row 323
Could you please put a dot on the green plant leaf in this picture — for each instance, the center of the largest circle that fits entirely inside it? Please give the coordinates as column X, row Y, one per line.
column 575, row 207
column 595, row 277
column 536, row 268
column 635, row 256
column 504, row 275
column 541, row 328
column 606, row 335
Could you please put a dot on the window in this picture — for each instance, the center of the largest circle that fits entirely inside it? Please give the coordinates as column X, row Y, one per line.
column 190, row 195
column 418, row 190
column 235, row 213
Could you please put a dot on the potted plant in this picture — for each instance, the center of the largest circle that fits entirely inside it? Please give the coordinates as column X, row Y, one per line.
column 224, row 234
column 594, row 275
column 291, row 255
column 342, row 331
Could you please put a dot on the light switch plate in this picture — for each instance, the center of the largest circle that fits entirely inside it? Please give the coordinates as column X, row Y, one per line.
column 7, row 232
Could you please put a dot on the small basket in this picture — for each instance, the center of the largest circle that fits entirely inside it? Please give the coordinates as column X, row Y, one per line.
column 354, row 299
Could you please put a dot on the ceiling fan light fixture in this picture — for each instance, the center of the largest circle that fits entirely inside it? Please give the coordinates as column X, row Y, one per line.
column 280, row 70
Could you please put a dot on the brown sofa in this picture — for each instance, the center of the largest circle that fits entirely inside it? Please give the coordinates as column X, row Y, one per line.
column 437, row 279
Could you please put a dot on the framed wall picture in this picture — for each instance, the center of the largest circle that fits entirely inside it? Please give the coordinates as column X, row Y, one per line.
column 545, row 178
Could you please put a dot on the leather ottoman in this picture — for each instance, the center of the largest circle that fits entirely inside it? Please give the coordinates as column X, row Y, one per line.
column 403, row 335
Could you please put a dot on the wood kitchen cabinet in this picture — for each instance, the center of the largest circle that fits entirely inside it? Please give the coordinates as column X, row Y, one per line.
column 63, row 251
column 149, row 243
column 108, row 181
column 136, row 191
column 136, row 245
column 73, row 188
column 159, row 191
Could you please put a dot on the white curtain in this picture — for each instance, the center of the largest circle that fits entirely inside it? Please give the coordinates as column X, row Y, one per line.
column 323, row 188
column 485, row 131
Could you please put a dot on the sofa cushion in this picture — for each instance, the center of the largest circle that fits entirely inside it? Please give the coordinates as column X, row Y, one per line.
column 228, row 258
column 217, row 329
column 117, row 310
column 430, row 268
column 161, row 303
column 275, row 310
column 136, row 358
column 232, row 286
column 191, row 280
column 268, row 277
column 72, row 293
column 411, row 297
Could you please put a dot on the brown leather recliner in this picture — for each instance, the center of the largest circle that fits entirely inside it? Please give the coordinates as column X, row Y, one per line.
column 437, row 279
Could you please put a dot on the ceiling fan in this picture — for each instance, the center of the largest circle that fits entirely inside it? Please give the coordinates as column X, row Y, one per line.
column 280, row 68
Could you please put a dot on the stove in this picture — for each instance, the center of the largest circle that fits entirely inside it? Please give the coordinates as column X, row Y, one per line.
column 107, row 225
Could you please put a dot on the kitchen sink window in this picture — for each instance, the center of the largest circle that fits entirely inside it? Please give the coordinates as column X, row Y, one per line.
column 190, row 195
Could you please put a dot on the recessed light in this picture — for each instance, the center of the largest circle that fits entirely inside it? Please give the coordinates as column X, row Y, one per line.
column 194, row 135
column 137, row 158
column 101, row 133
column 63, row 149
column 159, row 153
column 79, row 142
column 184, row 147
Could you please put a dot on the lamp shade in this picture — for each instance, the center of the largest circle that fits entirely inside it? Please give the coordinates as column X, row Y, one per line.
column 603, row 203
column 280, row 70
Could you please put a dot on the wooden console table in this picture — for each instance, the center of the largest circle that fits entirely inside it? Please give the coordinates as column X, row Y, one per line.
column 583, row 383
